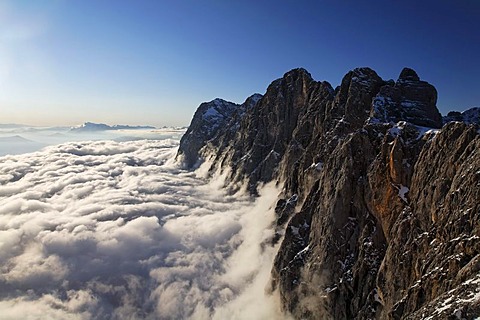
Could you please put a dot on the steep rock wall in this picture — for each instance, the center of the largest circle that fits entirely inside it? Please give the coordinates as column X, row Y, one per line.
column 380, row 216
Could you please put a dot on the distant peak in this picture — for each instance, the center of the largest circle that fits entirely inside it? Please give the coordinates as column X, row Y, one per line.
column 254, row 98
column 218, row 102
column 363, row 70
column 408, row 74
column 296, row 72
column 364, row 76
column 91, row 126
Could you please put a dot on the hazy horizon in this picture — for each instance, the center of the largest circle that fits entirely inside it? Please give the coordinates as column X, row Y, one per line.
column 119, row 229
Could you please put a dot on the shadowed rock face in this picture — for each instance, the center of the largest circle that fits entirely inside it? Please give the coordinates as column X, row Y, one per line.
column 381, row 217
column 208, row 120
column 408, row 99
column 470, row 116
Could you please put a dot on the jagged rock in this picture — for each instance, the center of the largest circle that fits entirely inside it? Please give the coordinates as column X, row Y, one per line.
column 208, row 119
column 254, row 149
column 409, row 99
column 328, row 119
column 470, row 116
column 437, row 235
column 381, row 214
column 408, row 74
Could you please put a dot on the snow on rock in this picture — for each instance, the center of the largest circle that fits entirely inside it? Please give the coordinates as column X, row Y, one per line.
column 426, row 132
column 407, row 99
column 208, row 119
column 402, row 192
column 470, row 116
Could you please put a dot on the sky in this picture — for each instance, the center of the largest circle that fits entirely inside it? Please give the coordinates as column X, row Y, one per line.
column 153, row 62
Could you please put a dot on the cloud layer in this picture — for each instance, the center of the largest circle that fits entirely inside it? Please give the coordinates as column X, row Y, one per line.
column 105, row 229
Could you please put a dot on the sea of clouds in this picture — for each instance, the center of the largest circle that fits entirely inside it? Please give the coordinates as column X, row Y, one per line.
column 119, row 230
column 18, row 139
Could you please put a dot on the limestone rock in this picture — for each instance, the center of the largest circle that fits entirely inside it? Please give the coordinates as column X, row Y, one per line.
column 208, row 119
column 470, row 116
column 409, row 99
column 380, row 212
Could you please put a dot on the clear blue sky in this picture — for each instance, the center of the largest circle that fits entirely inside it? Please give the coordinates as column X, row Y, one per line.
column 153, row 62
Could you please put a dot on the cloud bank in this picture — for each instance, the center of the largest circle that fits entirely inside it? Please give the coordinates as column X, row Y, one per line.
column 18, row 139
column 118, row 230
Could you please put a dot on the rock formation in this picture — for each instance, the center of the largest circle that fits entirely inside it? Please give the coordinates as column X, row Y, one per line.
column 380, row 208
column 470, row 116
column 209, row 118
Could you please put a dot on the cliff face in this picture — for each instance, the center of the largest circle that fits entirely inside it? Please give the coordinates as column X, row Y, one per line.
column 380, row 214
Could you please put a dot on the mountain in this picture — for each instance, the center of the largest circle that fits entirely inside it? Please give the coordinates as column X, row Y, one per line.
column 90, row 126
column 15, row 139
column 17, row 144
column 470, row 116
column 380, row 211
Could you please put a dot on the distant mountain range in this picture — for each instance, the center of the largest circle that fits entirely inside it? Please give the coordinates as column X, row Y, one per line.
column 11, row 125
column 90, row 126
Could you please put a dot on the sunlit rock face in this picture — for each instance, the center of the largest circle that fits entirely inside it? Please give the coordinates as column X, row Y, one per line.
column 380, row 205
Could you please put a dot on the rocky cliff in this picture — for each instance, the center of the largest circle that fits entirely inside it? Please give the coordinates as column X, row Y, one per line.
column 380, row 206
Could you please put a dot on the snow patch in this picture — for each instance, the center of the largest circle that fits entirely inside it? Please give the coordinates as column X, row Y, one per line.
column 402, row 191
column 426, row 131
column 211, row 113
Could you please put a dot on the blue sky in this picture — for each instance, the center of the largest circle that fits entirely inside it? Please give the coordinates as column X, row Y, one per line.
column 153, row 62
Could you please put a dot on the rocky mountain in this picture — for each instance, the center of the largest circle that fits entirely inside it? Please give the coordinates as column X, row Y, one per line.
column 470, row 116
column 380, row 212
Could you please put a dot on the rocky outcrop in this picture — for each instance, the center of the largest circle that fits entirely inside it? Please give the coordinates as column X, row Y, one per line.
column 408, row 99
column 380, row 213
column 213, row 128
column 433, row 255
column 470, row 116
column 262, row 133
column 207, row 121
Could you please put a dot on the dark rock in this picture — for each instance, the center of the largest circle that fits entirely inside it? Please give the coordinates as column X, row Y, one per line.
column 208, row 119
column 470, row 116
column 410, row 99
column 381, row 216
column 408, row 74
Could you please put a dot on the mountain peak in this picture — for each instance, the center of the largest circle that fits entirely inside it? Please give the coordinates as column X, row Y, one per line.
column 358, row 193
column 253, row 100
column 408, row 74
column 363, row 71
column 297, row 72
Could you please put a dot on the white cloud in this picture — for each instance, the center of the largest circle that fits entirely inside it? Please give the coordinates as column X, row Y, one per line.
column 118, row 230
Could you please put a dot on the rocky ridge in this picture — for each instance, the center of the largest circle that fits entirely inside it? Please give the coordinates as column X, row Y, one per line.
column 380, row 206
column 470, row 116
